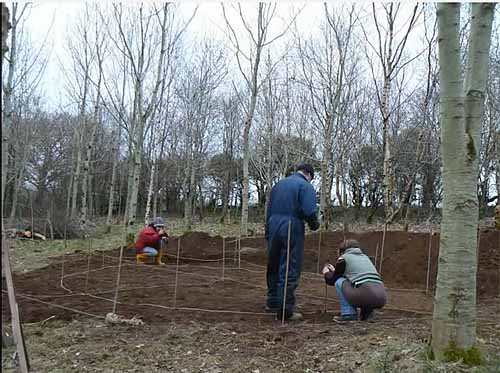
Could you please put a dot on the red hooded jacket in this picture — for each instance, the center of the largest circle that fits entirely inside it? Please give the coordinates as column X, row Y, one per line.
column 149, row 237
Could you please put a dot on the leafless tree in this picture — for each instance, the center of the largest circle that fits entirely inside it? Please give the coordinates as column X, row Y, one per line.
column 197, row 94
column 21, row 94
column 248, row 64
column 328, row 69
column 389, row 51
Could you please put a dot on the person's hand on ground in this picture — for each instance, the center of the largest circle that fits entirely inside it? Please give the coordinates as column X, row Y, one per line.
column 328, row 268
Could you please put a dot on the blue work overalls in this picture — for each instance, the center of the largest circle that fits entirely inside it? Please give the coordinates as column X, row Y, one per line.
column 293, row 200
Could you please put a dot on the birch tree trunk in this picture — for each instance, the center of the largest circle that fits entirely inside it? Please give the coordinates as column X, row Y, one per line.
column 265, row 14
column 230, row 123
column 79, row 142
column 5, row 140
column 155, row 188
column 76, row 175
column 188, row 192
column 150, row 191
column 136, row 153
column 389, row 51
column 246, row 131
column 6, row 340
column 69, row 188
column 5, row 29
column 270, row 153
column 454, row 317
column 7, row 94
column 143, row 114
column 17, row 185
column 111, row 200
column 388, row 179
column 129, row 170
column 86, row 165
column 326, row 186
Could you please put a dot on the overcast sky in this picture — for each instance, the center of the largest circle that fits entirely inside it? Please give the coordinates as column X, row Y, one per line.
column 59, row 17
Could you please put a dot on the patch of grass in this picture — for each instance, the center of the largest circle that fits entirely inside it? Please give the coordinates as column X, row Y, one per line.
column 456, row 360
column 471, row 356
column 27, row 255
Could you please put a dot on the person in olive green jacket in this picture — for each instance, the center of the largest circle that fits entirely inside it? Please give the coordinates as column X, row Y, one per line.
column 357, row 282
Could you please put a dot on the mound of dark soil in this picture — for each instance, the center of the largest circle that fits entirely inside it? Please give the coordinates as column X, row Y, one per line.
column 152, row 292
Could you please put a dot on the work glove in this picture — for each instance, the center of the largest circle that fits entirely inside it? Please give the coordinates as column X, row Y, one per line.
column 314, row 224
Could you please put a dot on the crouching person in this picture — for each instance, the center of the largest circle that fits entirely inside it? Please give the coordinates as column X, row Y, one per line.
column 357, row 283
column 150, row 242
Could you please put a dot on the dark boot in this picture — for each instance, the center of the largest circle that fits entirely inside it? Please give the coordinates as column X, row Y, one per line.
column 345, row 318
column 366, row 314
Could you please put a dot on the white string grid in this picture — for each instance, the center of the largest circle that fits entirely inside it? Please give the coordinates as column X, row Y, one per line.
column 130, row 262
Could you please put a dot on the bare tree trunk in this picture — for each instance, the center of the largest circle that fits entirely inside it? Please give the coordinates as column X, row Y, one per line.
column 246, row 154
column 156, row 192
column 116, row 154
column 225, row 196
column 76, row 175
column 6, row 340
column 7, row 110
column 150, row 191
column 135, row 177
column 186, row 183
column 454, row 317
column 389, row 52
column 129, row 172
column 192, row 192
column 91, row 195
column 86, row 201
column 326, row 187
column 230, row 124
column 5, row 29
column 388, row 182
column 69, row 190
column 86, row 179
column 200, row 199
column 337, row 186
column 264, row 16
column 143, row 114
column 18, row 181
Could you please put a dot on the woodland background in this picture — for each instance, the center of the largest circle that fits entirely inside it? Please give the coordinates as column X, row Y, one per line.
column 158, row 122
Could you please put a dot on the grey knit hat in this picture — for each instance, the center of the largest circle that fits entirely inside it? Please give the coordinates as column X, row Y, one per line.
column 157, row 222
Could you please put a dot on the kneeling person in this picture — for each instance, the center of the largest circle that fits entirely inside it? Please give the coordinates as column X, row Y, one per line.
column 151, row 239
column 357, row 283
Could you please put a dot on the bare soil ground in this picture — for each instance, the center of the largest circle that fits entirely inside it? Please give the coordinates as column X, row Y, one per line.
column 211, row 323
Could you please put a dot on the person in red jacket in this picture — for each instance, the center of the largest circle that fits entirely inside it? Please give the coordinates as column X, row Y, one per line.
column 151, row 239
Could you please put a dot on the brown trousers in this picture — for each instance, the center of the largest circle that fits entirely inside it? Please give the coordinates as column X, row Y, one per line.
column 367, row 295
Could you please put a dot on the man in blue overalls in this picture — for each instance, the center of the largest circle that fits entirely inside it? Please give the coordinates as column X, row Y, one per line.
column 292, row 201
